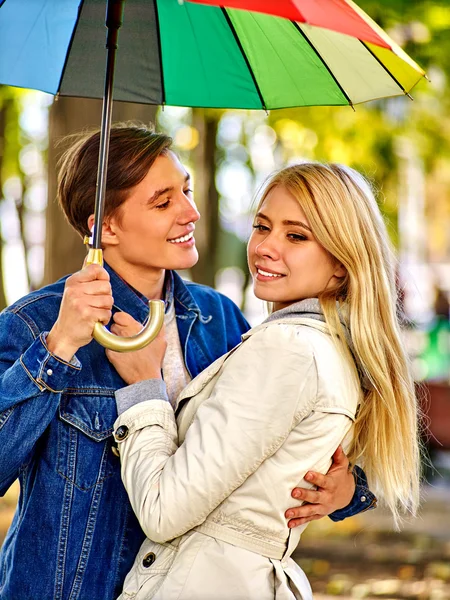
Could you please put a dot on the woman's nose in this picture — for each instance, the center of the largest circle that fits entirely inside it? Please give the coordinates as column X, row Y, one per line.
column 268, row 249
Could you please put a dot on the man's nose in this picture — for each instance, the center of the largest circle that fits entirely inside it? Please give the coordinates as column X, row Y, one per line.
column 189, row 212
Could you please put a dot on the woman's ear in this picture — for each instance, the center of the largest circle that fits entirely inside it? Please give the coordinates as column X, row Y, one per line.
column 340, row 271
column 109, row 237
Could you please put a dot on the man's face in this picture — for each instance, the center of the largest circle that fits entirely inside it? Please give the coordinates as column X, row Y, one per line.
column 155, row 227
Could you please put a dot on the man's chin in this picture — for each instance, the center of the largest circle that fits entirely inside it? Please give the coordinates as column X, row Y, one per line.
column 186, row 262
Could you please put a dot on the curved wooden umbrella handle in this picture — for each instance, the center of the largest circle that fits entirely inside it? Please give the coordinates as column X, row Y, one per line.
column 127, row 344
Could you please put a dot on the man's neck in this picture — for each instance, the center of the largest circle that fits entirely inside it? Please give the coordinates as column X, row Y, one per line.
column 149, row 282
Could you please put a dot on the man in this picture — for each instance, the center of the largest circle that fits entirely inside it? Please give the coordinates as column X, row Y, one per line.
column 74, row 534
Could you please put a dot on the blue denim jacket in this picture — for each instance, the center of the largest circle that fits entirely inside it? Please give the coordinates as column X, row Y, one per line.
column 74, row 535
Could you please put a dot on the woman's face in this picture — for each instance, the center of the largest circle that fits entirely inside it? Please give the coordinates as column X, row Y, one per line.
column 286, row 262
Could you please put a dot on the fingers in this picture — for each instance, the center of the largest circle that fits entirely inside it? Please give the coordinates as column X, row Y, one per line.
column 311, row 496
column 123, row 319
column 90, row 273
column 297, row 522
column 317, row 479
column 125, row 325
column 340, row 458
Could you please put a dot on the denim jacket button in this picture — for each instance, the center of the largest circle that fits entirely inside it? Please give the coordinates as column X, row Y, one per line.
column 363, row 498
column 148, row 560
column 121, row 433
column 49, row 372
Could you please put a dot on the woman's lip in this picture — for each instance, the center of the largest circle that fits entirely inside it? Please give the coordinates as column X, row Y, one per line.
column 265, row 278
column 259, row 268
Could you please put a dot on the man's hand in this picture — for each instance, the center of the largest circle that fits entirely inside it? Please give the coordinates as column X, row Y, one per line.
column 87, row 299
column 141, row 364
column 334, row 491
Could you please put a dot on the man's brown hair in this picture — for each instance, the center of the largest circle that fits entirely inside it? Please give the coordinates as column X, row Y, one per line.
column 133, row 148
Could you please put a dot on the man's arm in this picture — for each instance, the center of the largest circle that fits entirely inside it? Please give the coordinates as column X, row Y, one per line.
column 30, row 382
column 341, row 493
column 35, row 367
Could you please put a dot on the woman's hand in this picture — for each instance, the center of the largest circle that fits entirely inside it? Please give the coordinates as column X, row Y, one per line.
column 141, row 364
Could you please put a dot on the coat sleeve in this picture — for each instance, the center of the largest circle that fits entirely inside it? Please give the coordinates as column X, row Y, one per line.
column 265, row 388
column 31, row 380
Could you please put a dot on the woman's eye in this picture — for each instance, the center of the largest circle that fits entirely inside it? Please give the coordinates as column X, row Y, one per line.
column 260, row 227
column 163, row 205
column 188, row 191
column 297, row 237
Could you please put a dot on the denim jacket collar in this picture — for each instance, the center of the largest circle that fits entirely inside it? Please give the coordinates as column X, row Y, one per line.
column 185, row 299
column 134, row 303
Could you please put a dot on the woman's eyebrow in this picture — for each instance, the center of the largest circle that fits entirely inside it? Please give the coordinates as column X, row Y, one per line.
column 298, row 223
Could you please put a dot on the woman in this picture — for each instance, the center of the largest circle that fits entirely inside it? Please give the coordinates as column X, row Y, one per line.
column 211, row 484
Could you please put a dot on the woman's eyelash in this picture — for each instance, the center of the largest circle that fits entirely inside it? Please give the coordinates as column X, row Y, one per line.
column 297, row 236
column 260, row 227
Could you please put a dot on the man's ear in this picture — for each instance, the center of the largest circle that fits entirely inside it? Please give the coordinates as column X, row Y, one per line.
column 109, row 237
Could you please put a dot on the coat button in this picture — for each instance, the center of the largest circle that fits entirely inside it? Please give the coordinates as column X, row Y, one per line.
column 121, row 433
column 148, row 560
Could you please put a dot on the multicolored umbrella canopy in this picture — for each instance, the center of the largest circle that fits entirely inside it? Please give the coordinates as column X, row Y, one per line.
column 189, row 54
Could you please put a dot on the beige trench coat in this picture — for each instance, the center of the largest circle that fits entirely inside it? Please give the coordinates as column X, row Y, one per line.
column 210, row 488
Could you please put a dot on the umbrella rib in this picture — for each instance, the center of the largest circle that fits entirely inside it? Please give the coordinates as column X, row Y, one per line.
column 244, row 56
column 161, row 69
column 300, row 30
column 69, row 47
column 385, row 68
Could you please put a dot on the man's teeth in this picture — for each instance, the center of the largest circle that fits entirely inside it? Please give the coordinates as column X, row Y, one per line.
column 266, row 274
column 185, row 238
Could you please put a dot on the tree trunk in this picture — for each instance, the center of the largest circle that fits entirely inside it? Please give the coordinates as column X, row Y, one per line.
column 206, row 197
column 64, row 250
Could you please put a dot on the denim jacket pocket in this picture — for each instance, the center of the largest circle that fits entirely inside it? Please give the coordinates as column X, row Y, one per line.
column 85, row 428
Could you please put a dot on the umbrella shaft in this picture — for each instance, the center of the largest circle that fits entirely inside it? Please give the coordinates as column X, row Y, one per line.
column 114, row 13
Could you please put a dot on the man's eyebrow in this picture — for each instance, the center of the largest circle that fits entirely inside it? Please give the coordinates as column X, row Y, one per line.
column 163, row 191
column 287, row 222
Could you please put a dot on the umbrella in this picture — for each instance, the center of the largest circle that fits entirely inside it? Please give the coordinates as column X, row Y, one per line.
column 188, row 54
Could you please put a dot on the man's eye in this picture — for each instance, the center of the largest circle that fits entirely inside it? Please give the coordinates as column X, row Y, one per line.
column 163, row 205
column 188, row 191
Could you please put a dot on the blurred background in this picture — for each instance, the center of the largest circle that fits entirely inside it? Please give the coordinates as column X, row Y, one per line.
column 402, row 146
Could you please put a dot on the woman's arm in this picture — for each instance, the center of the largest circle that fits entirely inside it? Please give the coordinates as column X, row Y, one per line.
column 266, row 387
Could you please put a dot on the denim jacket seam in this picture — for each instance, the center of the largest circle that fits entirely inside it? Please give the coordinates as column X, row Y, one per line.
column 57, row 358
column 90, row 527
column 4, row 416
column 18, row 306
column 35, row 381
column 80, row 425
column 28, row 322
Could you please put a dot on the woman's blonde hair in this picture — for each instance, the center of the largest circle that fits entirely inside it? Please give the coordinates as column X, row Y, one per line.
column 345, row 219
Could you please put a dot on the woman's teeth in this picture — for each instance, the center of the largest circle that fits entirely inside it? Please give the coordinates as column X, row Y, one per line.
column 185, row 238
column 266, row 274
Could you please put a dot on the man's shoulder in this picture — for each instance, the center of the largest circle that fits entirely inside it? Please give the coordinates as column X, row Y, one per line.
column 206, row 296
column 39, row 301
